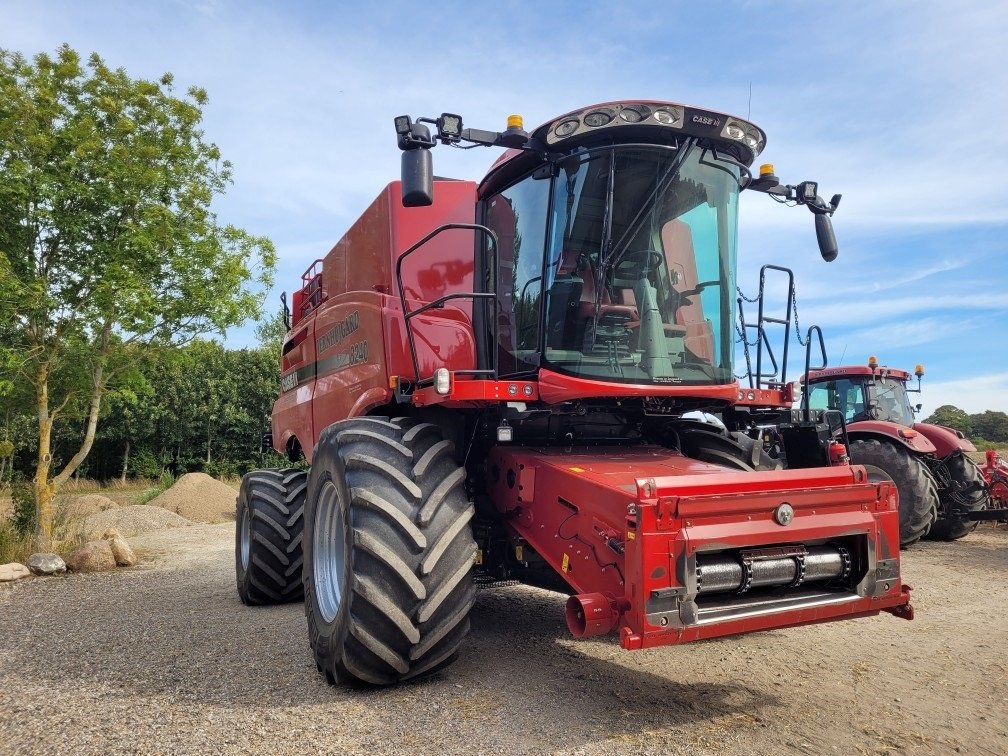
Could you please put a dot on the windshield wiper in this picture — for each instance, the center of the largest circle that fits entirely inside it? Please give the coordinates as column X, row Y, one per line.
column 661, row 185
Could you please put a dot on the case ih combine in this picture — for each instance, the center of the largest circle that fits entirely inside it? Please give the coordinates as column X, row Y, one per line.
column 942, row 492
column 489, row 383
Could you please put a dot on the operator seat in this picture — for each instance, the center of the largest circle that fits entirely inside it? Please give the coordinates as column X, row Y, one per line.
column 677, row 241
column 586, row 308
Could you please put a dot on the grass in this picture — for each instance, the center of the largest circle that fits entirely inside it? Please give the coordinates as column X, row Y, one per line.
column 16, row 546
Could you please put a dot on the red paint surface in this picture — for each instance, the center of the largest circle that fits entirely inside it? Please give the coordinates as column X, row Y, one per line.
column 573, row 502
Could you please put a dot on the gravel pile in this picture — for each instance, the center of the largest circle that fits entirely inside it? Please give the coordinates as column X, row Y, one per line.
column 88, row 504
column 200, row 498
column 132, row 520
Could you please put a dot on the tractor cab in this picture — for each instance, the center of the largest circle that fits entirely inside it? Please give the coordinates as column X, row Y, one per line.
column 621, row 267
column 864, row 393
column 607, row 245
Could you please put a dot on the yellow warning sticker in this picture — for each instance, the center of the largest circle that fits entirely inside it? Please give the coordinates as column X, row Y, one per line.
column 519, row 552
column 630, row 535
column 565, row 564
column 576, row 469
column 479, row 556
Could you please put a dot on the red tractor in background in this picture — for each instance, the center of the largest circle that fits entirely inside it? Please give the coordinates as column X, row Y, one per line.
column 942, row 491
column 489, row 382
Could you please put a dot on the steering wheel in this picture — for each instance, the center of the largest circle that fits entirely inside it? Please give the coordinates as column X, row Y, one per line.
column 631, row 263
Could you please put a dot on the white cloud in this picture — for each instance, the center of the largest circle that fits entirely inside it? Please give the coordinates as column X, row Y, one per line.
column 973, row 393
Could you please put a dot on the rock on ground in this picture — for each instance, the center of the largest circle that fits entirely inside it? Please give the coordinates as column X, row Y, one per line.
column 13, row 571
column 95, row 556
column 46, row 564
column 200, row 498
column 121, row 551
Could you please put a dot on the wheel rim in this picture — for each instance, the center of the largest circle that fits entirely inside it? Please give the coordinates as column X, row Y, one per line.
column 328, row 553
column 876, row 474
column 245, row 538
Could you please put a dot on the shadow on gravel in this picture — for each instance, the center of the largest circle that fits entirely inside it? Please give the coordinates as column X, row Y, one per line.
column 181, row 638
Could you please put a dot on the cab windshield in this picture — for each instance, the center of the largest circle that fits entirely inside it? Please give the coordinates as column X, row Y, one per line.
column 640, row 265
column 864, row 399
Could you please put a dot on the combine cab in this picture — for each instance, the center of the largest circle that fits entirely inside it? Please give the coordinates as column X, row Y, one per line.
column 942, row 491
column 489, row 382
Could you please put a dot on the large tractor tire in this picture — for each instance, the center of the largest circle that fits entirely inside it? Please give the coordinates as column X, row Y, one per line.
column 967, row 491
column 918, row 494
column 269, row 521
column 736, row 450
column 389, row 551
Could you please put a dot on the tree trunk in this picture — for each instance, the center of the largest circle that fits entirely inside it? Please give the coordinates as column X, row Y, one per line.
column 46, row 487
column 208, row 440
column 44, row 490
column 125, row 461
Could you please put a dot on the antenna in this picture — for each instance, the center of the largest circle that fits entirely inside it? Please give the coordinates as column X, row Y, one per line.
column 748, row 114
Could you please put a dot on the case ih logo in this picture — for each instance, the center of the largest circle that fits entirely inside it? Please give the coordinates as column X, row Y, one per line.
column 289, row 381
column 706, row 120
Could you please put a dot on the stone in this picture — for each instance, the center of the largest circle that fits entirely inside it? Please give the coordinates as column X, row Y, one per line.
column 46, row 564
column 94, row 556
column 13, row 571
column 111, row 533
column 122, row 552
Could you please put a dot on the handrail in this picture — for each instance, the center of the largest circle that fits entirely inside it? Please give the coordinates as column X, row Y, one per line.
column 786, row 322
column 808, row 362
column 439, row 303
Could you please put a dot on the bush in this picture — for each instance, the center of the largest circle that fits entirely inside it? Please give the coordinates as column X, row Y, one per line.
column 24, row 516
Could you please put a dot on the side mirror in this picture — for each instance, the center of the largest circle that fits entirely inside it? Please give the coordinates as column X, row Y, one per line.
column 824, row 235
column 417, row 178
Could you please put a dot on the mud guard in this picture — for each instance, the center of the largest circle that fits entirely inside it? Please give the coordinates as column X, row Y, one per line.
column 946, row 440
column 912, row 438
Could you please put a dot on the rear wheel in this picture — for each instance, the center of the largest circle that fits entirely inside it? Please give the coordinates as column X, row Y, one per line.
column 389, row 551
column 269, row 521
column 918, row 495
column 966, row 492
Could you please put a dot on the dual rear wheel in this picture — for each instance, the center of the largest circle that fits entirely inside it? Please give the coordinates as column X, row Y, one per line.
column 387, row 550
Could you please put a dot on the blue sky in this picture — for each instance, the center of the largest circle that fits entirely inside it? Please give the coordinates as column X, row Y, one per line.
column 902, row 107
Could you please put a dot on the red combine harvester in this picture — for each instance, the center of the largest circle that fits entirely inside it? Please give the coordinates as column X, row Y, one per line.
column 489, row 382
column 942, row 491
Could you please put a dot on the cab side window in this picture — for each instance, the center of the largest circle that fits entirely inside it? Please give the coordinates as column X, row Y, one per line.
column 518, row 217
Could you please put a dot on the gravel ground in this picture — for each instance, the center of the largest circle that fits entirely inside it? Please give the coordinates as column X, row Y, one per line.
column 163, row 658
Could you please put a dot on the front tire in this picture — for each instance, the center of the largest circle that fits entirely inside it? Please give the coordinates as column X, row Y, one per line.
column 918, row 495
column 389, row 551
column 269, row 521
column 967, row 491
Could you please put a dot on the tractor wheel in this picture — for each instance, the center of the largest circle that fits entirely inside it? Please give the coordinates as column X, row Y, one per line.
column 967, row 491
column 268, row 523
column 389, row 551
column 918, row 494
column 737, row 450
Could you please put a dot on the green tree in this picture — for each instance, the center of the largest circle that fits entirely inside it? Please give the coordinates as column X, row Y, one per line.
column 990, row 425
column 951, row 416
column 107, row 232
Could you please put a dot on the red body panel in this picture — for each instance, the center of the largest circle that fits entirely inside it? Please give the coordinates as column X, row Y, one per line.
column 337, row 363
column 571, row 507
column 917, row 442
column 557, row 387
column 945, row 440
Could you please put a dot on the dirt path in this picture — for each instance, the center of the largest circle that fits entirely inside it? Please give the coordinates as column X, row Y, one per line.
column 164, row 659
